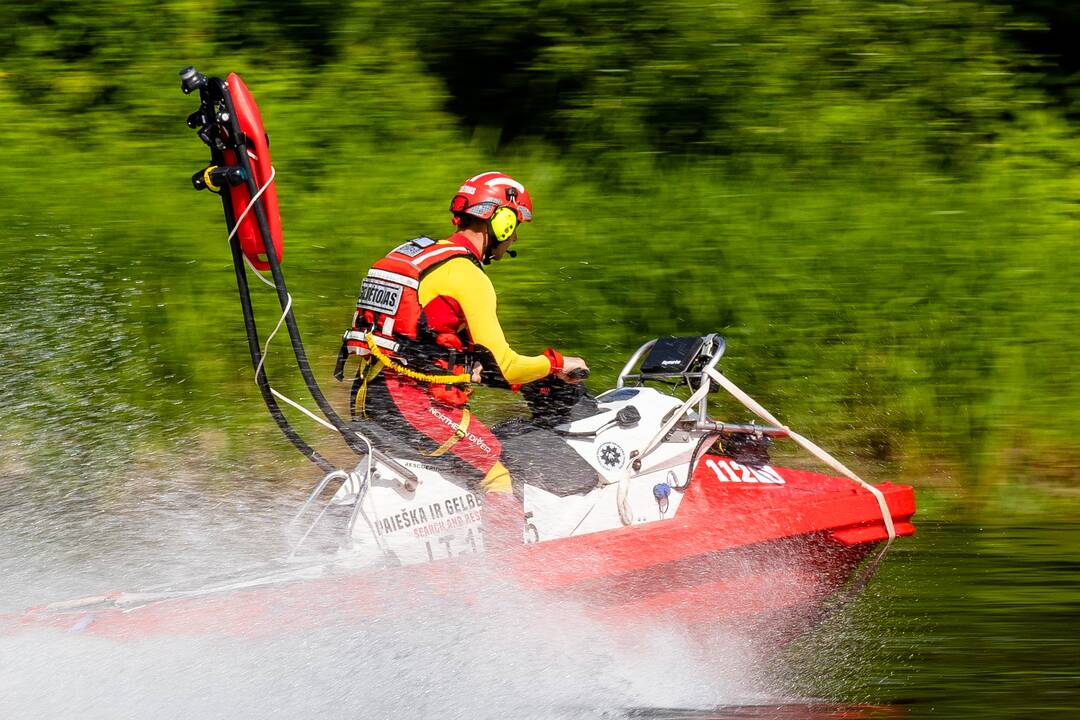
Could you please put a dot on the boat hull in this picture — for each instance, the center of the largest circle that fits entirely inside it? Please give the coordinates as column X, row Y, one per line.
column 750, row 555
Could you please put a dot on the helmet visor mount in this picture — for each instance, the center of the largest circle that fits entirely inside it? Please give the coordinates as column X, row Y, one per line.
column 485, row 210
column 500, row 200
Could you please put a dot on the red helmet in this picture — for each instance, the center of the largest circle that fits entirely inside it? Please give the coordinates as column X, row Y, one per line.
column 483, row 194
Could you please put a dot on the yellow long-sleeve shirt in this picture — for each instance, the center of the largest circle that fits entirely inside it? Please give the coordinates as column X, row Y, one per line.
column 463, row 281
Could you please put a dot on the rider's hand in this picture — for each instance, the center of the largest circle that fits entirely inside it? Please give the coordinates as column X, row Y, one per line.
column 570, row 364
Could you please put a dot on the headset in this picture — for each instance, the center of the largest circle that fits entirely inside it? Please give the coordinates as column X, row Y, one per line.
column 504, row 221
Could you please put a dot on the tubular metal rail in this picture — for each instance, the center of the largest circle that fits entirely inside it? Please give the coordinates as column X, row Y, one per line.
column 697, row 375
column 707, row 376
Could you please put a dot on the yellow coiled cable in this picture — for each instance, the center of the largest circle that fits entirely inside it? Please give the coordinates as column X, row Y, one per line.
column 387, row 361
column 209, row 180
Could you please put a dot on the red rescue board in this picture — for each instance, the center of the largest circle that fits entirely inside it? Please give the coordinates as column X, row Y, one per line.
column 258, row 150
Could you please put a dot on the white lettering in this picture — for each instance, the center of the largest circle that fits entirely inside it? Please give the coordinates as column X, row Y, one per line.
column 380, row 296
column 767, row 472
column 745, row 474
column 733, row 472
column 449, row 422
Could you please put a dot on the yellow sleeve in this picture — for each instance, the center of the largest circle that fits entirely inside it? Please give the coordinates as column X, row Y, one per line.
column 461, row 280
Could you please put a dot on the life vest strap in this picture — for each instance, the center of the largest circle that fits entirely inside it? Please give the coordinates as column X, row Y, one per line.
column 358, row 336
column 367, row 372
column 367, row 337
column 389, row 362
column 398, row 278
column 388, row 319
column 460, row 432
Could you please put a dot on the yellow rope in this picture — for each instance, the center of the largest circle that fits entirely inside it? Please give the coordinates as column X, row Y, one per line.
column 462, row 379
column 210, row 183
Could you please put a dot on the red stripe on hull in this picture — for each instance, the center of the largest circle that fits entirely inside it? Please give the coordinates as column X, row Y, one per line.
column 733, row 553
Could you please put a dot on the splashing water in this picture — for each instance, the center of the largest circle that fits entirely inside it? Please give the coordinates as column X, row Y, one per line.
column 502, row 652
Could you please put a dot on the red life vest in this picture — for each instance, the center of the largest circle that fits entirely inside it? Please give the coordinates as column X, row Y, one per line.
column 389, row 305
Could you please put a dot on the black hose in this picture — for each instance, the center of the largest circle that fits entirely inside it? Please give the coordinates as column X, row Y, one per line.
column 256, row 349
column 240, row 150
column 208, row 99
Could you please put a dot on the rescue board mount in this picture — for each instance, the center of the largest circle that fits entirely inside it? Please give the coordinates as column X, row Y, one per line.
column 228, row 121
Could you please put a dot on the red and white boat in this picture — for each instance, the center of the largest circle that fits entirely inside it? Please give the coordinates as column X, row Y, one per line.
column 687, row 521
column 679, row 515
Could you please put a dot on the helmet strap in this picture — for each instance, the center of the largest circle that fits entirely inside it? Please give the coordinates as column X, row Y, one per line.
column 490, row 243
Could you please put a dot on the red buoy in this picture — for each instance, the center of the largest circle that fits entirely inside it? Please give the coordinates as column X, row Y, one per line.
column 258, row 150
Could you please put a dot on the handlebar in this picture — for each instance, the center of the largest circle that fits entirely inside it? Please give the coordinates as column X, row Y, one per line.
column 578, row 374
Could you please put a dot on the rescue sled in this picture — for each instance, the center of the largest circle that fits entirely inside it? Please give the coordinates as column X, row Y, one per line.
column 681, row 516
column 687, row 520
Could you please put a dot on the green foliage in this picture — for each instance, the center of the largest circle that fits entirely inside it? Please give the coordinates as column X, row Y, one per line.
column 811, row 82
column 871, row 200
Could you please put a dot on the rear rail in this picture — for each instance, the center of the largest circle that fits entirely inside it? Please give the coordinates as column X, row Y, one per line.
column 692, row 361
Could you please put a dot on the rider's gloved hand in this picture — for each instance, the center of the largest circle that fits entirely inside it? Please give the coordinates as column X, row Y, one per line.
column 573, row 371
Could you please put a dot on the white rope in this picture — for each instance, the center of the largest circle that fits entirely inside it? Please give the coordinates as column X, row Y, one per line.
column 255, row 271
column 753, row 406
column 285, row 312
column 675, row 419
column 266, row 345
column 302, row 409
column 622, row 499
column 251, row 203
column 258, row 274
column 326, row 424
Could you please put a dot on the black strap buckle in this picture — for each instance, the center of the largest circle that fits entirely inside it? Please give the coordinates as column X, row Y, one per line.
column 342, row 358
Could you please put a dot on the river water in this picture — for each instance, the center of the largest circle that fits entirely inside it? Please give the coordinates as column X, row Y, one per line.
column 963, row 620
column 969, row 621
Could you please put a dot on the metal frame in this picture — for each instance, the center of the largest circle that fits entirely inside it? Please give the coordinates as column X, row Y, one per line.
column 364, row 482
column 715, row 345
column 709, row 341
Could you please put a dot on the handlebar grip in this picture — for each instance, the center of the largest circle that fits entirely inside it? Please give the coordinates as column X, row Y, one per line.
column 578, row 374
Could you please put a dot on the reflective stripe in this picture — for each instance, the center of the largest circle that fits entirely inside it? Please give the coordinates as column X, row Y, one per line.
column 393, row 277
column 388, row 326
column 426, row 257
column 494, row 182
column 380, row 341
column 387, row 343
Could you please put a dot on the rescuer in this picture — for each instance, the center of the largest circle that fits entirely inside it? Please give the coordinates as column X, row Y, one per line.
column 426, row 329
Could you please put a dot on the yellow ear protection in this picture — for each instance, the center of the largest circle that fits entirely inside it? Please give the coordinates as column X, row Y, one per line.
column 504, row 222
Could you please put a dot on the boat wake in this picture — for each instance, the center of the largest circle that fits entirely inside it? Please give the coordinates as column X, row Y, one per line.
column 502, row 652
column 476, row 662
